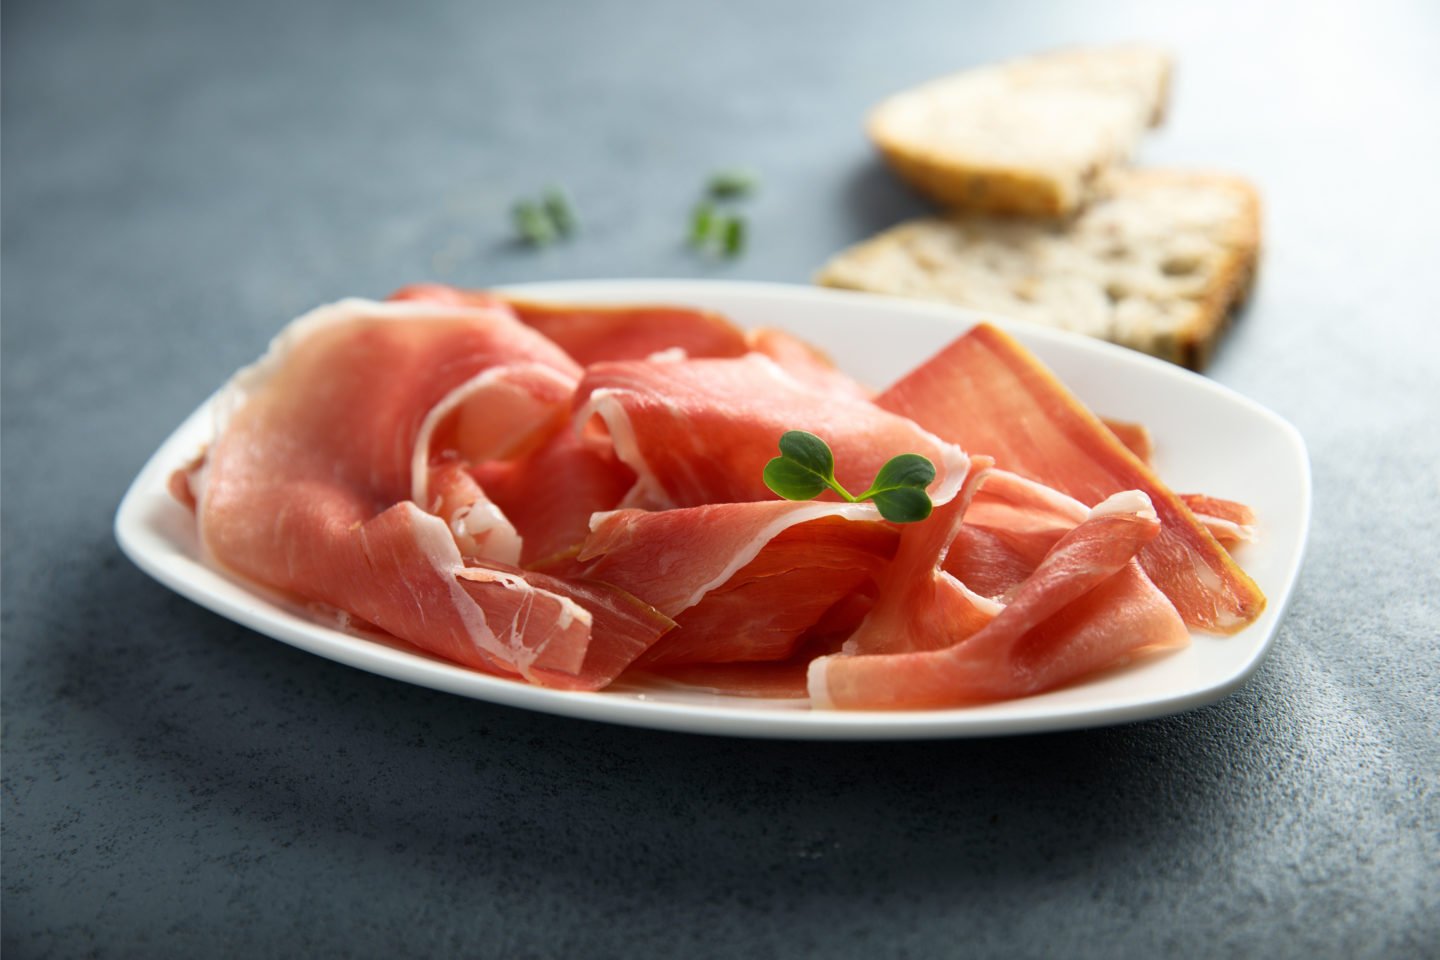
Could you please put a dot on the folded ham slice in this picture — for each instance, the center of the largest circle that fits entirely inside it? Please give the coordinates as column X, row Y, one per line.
column 1087, row 606
column 1229, row 522
column 1010, row 525
column 743, row 581
column 921, row 606
column 990, row 395
column 701, row 431
column 323, row 443
column 592, row 333
column 805, row 363
column 551, row 494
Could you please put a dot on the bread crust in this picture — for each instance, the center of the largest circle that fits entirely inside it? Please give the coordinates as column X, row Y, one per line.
column 951, row 259
column 1132, row 83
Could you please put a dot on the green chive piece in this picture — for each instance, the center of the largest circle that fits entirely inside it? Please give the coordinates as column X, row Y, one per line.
column 702, row 224
column 560, row 210
column 533, row 224
column 733, row 238
column 727, row 184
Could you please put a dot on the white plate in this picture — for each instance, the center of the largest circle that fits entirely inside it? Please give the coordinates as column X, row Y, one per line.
column 1208, row 439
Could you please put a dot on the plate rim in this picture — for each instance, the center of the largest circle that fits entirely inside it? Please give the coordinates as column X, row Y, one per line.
column 150, row 551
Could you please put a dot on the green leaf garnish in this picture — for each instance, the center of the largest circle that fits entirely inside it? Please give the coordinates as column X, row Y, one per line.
column 560, row 210
column 534, row 224
column 806, row 467
column 906, row 470
column 702, row 224
column 902, row 504
column 542, row 222
column 733, row 239
column 727, row 184
column 793, row 481
column 810, row 452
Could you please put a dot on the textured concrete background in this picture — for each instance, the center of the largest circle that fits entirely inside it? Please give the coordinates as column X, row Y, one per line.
column 182, row 178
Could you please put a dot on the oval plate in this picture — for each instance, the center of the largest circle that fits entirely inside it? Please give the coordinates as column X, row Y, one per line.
column 1207, row 438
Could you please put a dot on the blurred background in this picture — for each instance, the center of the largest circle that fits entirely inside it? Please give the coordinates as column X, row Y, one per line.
column 182, row 178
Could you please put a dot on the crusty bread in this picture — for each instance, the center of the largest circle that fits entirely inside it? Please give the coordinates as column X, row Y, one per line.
column 1029, row 136
column 1158, row 264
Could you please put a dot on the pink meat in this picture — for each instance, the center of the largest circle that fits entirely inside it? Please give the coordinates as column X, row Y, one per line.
column 920, row 606
column 701, row 431
column 592, row 333
column 805, row 362
column 308, row 484
column 988, row 393
column 743, row 581
column 1086, row 607
column 1010, row 526
column 551, row 494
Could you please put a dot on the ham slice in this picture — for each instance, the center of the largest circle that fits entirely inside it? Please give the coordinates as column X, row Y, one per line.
column 1135, row 436
column 595, row 334
column 308, row 487
column 1229, row 522
column 701, row 431
column 551, row 494
column 1010, row 525
column 805, row 363
column 1087, row 606
column 592, row 333
column 743, row 581
column 921, row 606
column 987, row 393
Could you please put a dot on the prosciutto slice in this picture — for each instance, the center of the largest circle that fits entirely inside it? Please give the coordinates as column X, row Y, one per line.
column 592, row 333
column 743, row 581
column 990, row 395
column 805, row 363
column 701, row 431
column 551, row 494
column 1229, row 522
column 1135, row 436
column 309, row 484
column 921, row 606
column 1010, row 525
column 1087, row 606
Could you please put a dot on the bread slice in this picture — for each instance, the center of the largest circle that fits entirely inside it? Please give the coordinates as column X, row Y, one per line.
column 1029, row 136
column 1158, row 265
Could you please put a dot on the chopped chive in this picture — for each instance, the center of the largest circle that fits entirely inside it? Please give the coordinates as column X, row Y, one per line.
column 702, row 224
column 560, row 211
column 733, row 239
column 732, row 183
column 533, row 224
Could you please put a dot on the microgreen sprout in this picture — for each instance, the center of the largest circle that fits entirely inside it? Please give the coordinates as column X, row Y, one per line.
column 806, row 468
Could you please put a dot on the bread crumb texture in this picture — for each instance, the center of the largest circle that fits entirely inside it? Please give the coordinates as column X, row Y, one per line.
column 1157, row 264
column 1031, row 136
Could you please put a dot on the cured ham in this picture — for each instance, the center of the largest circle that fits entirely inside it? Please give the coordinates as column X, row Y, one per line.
column 551, row 494
column 743, row 581
column 592, row 333
column 309, row 486
column 699, row 432
column 1229, row 522
column 1010, row 525
column 991, row 396
column 1135, row 436
column 920, row 606
column 804, row 362
column 1087, row 605
column 575, row 496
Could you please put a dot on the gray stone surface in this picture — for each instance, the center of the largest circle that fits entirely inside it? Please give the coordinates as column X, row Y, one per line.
column 181, row 178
